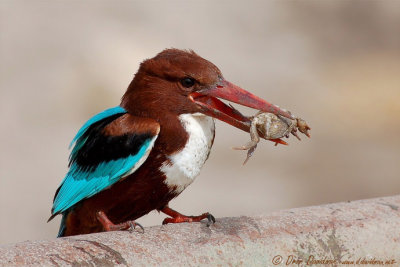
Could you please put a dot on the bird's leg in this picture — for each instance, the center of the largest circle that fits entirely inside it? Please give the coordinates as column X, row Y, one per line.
column 109, row 226
column 180, row 218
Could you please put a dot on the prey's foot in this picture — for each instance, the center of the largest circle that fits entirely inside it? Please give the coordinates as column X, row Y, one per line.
column 109, row 226
column 250, row 153
column 250, row 147
column 180, row 218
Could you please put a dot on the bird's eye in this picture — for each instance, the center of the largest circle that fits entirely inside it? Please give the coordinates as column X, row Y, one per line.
column 187, row 82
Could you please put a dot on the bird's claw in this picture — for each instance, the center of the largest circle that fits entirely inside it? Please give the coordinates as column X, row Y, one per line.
column 132, row 226
column 210, row 219
column 110, row 226
column 182, row 218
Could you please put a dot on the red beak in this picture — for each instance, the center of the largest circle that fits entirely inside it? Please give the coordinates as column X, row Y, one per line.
column 207, row 100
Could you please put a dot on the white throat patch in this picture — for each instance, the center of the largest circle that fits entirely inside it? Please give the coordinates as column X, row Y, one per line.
column 186, row 163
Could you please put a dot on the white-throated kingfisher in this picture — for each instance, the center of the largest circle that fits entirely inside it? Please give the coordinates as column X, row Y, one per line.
column 134, row 158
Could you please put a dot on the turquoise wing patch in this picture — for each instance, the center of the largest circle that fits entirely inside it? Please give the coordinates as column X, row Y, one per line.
column 78, row 184
column 98, row 161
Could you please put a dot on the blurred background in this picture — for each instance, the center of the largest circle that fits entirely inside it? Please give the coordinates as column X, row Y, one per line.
column 334, row 63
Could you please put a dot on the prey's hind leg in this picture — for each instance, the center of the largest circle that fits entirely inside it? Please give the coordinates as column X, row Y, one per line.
column 252, row 145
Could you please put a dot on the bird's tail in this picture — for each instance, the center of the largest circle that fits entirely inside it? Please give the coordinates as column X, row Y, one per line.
column 61, row 232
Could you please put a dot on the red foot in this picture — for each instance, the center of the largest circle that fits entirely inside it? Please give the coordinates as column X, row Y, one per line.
column 180, row 218
column 109, row 226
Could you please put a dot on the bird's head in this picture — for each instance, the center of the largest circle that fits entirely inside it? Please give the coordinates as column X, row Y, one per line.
column 178, row 81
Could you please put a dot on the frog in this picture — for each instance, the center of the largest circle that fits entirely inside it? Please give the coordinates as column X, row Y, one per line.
column 272, row 127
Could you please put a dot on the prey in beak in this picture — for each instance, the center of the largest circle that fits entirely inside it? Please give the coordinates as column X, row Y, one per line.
column 210, row 105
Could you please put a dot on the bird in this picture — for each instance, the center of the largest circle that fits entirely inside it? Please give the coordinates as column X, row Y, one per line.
column 131, row 159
